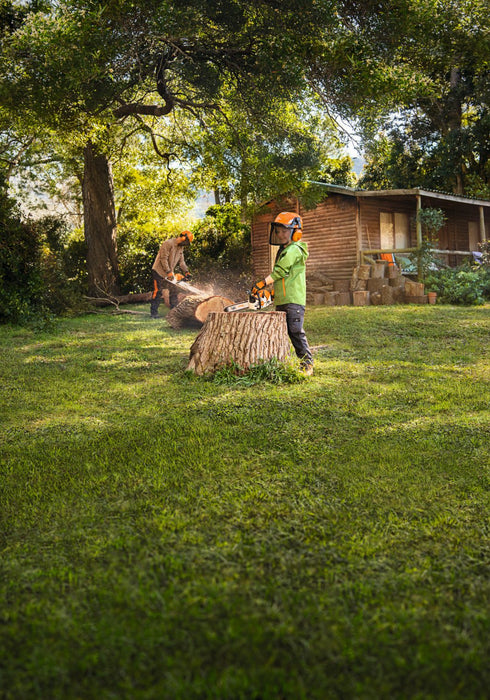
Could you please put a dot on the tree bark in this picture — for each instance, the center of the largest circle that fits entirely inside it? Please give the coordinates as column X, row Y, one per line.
column 242, row 338
column 99, row 224
column 192, row 311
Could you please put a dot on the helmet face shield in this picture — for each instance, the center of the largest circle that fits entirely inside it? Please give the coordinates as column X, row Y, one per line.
column 279, row 234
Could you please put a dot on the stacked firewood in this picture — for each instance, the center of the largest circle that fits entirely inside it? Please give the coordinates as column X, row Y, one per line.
column 382, row 283
column 318, row 284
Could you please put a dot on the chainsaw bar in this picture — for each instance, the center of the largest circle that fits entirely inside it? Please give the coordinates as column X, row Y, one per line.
column 185, row 286
column 243, row 306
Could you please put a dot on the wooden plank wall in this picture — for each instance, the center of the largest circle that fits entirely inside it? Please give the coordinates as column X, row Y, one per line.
column 370, row 209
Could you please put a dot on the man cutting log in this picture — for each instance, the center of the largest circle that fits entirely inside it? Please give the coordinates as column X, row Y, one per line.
column 170, row 256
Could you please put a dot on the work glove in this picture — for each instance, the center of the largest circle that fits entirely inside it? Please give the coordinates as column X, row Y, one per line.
column 258, row 286
column 187, row 276
column 179, row 277
column 170, row 277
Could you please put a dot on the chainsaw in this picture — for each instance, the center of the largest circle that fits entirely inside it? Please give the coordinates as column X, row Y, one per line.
column 178, row 281
column 256, row 302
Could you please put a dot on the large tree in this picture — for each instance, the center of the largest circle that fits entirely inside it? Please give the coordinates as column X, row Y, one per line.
column 79, row 67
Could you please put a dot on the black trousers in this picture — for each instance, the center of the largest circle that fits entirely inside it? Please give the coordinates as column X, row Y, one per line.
column 295, row 314
column 159, row 283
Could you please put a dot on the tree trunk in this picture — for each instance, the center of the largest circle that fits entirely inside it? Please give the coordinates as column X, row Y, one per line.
column 242, row 338
column 193, row 310
column 99, row 224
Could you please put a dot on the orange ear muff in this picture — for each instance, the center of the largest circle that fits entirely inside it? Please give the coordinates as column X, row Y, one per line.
column 297, row 235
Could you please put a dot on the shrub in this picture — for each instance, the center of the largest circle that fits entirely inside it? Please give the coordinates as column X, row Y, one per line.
column 34, row 282
column 20, row 265
column 460, row 285
column 221, row 238
column 136, row 254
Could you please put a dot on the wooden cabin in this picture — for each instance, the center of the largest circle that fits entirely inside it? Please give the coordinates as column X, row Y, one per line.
column 350, row 225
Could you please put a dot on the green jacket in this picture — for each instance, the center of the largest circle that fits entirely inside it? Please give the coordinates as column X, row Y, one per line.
column 289, row 274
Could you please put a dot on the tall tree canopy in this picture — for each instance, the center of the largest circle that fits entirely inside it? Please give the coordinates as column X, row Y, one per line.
column 419, row 77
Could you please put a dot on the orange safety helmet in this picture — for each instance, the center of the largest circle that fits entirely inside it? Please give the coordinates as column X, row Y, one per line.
column 289, row 220
column 186, row 237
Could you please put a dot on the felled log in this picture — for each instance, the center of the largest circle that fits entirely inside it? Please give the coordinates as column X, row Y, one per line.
column 393, row 272
column 341, row 285
column 364, row 272
column 241, row 338
column 192, row 311
column 398, row 281
column 387, row 294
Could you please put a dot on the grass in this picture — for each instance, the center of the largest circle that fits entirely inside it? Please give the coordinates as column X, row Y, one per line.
column 165, row 536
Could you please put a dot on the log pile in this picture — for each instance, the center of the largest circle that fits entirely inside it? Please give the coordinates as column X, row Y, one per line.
column 240, row 338
column 318, row 285
column 193, row 311
column 381, row 283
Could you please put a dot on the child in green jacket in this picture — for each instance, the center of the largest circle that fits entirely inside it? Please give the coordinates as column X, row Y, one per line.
column 289, row 279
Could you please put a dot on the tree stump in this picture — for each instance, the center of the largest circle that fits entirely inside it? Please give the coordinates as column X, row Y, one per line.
column 192, row 311
column 242, row 338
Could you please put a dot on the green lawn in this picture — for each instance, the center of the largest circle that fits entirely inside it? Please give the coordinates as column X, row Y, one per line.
column 164, row 536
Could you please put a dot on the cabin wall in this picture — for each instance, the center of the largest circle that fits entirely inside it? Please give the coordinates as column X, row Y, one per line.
column 370, row 209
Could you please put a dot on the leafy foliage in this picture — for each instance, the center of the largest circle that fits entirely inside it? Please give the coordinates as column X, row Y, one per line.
column 35, row 265
column 428, row 67
column 21, row 284
column 221, row 239
column 462, row 286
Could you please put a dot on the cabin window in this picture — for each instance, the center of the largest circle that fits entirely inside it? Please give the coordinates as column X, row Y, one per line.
column 473, row 234
column 394, row 230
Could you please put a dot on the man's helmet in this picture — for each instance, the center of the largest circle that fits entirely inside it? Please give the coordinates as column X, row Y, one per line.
column 290, row 221
column 185, row 238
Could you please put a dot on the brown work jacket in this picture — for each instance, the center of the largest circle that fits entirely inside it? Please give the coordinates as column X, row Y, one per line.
column 168, row 257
